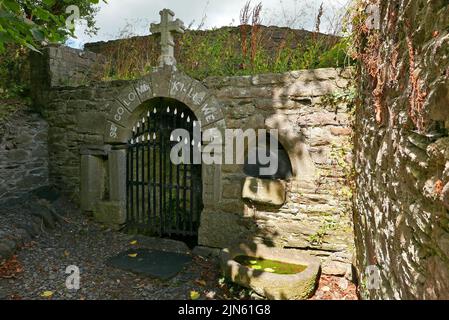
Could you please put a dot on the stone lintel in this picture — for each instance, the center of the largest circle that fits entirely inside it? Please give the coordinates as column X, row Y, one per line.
column 95, row 150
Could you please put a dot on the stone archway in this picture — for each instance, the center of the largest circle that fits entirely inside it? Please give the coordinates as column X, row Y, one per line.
column 165, row 82
column 125, row 110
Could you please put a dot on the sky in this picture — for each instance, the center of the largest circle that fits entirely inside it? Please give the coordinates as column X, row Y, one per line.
column 124, row 18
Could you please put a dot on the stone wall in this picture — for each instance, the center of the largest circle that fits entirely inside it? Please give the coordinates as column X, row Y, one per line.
column 315, row 131
column 316, row 215
column 61, row 66
column 23, row 154
column 402, row 153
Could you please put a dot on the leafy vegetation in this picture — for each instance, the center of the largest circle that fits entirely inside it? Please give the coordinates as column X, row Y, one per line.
column 248, row 49
column 221, row 52
column 29, row 23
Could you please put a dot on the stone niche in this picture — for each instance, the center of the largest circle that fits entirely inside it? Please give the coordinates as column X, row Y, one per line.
column 308, row 206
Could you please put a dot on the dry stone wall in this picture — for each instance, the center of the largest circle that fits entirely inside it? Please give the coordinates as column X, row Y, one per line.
column 401, row 153
column 315, row 131
column 23, row 154
column 316, row 215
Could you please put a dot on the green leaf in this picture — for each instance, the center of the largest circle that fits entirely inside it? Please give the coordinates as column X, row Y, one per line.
column 12, row 6
column 31, row 47
column 49, row 3
column 38, row 34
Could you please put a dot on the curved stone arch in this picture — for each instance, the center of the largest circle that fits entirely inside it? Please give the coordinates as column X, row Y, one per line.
column 163, row 83
column 129, row 104
column 303, row 167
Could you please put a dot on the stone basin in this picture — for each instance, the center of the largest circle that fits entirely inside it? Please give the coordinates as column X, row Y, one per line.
column 297, row 286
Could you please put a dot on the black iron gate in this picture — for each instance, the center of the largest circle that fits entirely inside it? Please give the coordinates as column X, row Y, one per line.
column 163, row 199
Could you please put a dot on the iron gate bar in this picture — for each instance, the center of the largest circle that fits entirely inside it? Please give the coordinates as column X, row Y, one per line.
column 148, row 132
column 152, row 179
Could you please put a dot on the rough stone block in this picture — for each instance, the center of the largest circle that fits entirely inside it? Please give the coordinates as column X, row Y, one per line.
column 92, row 181
column 263, row 191
column 111, row 213
column 117, row 175
column 90, row 122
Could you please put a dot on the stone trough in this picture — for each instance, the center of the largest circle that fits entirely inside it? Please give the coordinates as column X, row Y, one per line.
column 297, row 286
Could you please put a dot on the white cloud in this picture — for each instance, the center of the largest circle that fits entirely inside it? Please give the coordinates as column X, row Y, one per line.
column 118, row 18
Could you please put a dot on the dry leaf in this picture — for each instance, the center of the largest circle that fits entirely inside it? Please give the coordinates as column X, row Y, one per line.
column 133, row 243
column 47, row 294
column 194, row 295
column 132, row 255
column 201, row 282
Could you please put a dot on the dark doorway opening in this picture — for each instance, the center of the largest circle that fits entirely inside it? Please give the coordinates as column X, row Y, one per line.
column 163, row 199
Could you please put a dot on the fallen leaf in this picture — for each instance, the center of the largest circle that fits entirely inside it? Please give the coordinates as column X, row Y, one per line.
column 47, row 294
column 194, row 295
column 11, row 268
column 201, row 282
column 66, row 253
column 132, row 255
column 133, row 243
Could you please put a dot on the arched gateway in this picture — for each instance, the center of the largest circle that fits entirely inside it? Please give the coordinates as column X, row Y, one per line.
column 158, row 197
column 163, row 198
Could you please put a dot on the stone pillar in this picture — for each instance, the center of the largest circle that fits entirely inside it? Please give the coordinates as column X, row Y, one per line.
column 117, row 175
column 211, row 185
column 92, row 181
column 112, row 212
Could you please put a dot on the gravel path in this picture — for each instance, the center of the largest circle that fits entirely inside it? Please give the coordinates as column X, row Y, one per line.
column 46, row 238
column 79, row 241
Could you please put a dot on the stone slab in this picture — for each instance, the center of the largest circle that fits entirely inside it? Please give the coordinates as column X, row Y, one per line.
column 160, row 244
column 152, row 263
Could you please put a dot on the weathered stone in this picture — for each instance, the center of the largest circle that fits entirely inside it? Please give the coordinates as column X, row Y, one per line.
column 206, row 252
column 110, row 213
column 216, row 228
column 338, row 131
column 144, row 88
column 117, row 175
column 7, row 248
column 46, row 216
column 18, row 155
column 262, row 191
column 89, row 122
column 116, row 134
column 232, row 191
column 271, row 285
column 92, row 181
column 210, row 112
column 401, row 182
column 95, row 150
column 167, row 245
column 167, row 28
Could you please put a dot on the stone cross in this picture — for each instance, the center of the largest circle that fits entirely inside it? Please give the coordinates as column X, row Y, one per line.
column 166, row 29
